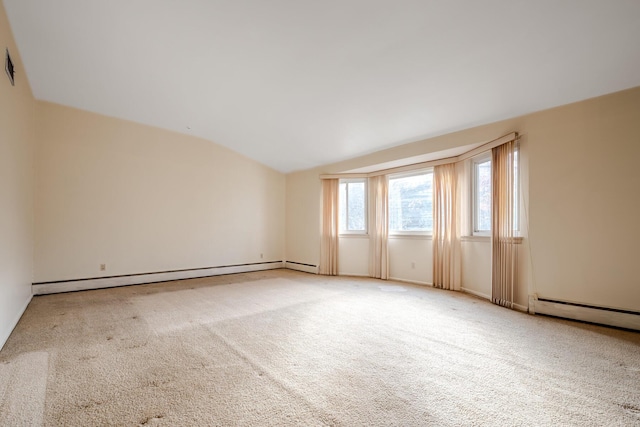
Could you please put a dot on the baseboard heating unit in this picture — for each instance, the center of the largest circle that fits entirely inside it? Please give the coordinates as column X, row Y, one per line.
column 142, row 278
column 300, row 266
column 627, row 319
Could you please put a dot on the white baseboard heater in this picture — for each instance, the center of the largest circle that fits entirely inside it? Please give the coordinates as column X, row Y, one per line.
column 142, row 278
column 587, row 313
column 300, row 266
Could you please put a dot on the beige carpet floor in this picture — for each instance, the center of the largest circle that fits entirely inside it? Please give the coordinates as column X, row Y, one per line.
column 284, row 348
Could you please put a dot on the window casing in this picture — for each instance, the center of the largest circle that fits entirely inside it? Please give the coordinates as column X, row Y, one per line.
column 353, row 206
column 411, row 203
column 481, row 195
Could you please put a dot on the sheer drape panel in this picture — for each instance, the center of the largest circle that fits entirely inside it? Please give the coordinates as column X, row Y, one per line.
column 504, row 249
column 446, row 233
column 329, row 238
column 379, row 227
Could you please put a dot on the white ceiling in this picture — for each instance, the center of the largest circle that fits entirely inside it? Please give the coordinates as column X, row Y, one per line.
column 295, row 84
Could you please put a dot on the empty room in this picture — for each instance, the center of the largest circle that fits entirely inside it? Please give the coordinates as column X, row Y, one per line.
column 337, row 213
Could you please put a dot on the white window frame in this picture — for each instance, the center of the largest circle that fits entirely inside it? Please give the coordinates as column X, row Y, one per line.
column 475, row 161
column 416, row 172
column 517, row 190
column 366, row 206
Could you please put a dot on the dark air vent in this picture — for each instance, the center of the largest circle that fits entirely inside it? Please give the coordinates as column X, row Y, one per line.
column 8, row 66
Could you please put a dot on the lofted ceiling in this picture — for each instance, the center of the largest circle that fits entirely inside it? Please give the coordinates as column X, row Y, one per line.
column 295, row 84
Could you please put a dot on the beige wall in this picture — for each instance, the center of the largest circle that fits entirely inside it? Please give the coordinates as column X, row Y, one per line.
column 141, row 199
column 580, row 183
column 584, row 183
column 410, row 259
column 353, row 255
column 16, row 188
column 303, row 217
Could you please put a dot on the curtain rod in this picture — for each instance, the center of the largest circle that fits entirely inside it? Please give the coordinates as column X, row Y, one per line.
column 489, row 145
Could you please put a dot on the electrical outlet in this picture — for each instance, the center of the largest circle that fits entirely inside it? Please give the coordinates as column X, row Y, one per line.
column 261, row 256
column 103, row 267
column 413, row 265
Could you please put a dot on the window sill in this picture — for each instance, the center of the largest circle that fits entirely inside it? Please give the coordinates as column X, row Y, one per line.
column 353, row 235
column 475, row 239
column 517, row 239
column 411, row 236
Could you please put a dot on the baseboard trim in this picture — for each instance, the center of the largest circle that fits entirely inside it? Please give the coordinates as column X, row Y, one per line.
column 413, row 282
column 299, row 266
column 591, row 314
column 522, row 308
column 5, row 337
column 476, row 293
column 139, row 279
column 518, row 307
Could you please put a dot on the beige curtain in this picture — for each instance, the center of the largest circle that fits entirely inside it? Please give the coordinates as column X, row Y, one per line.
column 446, row 231
column 329, row 228
column 379, row 227
column 504, row 249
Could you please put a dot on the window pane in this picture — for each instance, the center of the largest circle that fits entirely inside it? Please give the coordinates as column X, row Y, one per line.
column 411, row 203
column 342, row 205
column 483, row 196
column 352, row 206
column 356, row 200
